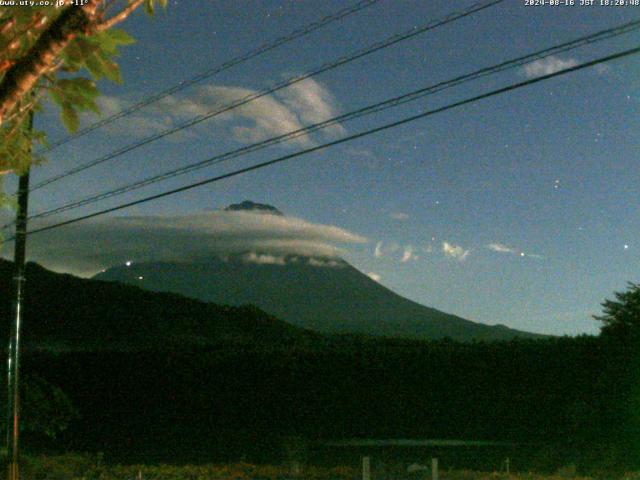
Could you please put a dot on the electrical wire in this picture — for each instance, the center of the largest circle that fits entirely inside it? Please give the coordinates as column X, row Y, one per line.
column 368, row 110
column 365, row 133
column 394, row 39
column 300, row 32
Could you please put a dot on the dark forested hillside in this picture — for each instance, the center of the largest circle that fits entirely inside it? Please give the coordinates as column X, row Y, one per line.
column 159, row 377
column 63, row 312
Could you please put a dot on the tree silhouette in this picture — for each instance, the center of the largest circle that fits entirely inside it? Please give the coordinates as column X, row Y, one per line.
column 621, row 317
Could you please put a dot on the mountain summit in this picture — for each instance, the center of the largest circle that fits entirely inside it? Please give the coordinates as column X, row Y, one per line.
column 249, row 206
column 323, row 293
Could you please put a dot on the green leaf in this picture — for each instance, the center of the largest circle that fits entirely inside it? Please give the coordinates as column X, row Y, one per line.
column 149, row 6
column 87, row 46
column 120, row 37
column 57, row 96
column 80, row 88
column 94, row 66
column 70, row 118
column 110, row 68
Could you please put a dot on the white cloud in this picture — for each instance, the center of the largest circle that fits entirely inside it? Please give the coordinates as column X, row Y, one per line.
column 143, row 123
column 454, row 251
column 325, row 262
column 501, row 248
column 547, row 66
column 87, row 247
column 291, row 109
column 374, row 276
column 312, row 102
column 389, row 250
column 263, row 259
column 407, row 254
column 258, row 119
column 302, row 104
column 399, row 216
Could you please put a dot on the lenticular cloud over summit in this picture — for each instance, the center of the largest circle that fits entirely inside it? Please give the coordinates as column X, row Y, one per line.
column 88, row 247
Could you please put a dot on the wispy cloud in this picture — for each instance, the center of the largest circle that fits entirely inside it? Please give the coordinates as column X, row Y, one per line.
column 361, row 152
column 86, row 248
column 454, row 251
column 312, row 102
column 304, row 103
column 323, row 262
column 383, row 249
column 502, row 248
column 263, row 259
column 407, row 254
column 143, row 123
column 547, row 66
column 377, row 252
column 399, row 216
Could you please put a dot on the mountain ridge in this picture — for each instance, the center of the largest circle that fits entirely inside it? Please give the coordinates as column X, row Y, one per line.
column 325, row 295
column 67, row 313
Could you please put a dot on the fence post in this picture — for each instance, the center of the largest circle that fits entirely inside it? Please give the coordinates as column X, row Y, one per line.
column 366, row 468
column 434, row 469
column 506, row 463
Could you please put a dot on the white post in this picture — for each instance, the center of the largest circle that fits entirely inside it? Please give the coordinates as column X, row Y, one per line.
column 366, row 468
column 434, row 469
column 507, row 465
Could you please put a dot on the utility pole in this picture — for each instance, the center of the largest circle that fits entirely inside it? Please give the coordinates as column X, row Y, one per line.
column 13, row 360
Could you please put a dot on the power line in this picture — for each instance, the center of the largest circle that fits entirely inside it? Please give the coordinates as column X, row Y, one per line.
column 365, row 133
column 477, row 7
column 374, row 108
column 300, row 32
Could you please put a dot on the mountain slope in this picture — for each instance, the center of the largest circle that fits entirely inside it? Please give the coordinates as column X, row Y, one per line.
column 328, row 296
column 63, row 312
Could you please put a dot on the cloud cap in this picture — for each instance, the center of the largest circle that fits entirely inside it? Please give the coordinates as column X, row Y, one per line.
column 88, row 247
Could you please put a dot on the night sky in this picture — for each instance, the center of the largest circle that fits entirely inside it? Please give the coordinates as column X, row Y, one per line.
column 521, row 209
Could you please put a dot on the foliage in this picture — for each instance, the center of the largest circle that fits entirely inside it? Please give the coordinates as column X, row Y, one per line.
column 621, row 317
column 45, row 408
column 44, row 48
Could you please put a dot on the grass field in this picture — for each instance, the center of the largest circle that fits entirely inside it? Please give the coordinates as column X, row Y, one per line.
column 87, row 467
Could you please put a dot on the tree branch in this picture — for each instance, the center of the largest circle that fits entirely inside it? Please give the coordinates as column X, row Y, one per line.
column 120, row 16
column 42, row 56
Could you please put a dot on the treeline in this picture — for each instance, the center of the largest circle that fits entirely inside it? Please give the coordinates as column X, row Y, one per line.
column 563, row 401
